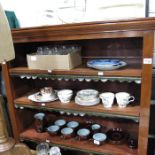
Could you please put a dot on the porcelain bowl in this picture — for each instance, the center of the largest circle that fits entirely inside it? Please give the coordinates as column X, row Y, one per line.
column 65, row 95
column 106, row 64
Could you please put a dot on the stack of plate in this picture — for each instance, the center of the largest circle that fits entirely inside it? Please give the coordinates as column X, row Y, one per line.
column 87, row 97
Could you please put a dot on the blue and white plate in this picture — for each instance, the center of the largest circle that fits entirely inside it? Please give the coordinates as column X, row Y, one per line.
column 106, row 64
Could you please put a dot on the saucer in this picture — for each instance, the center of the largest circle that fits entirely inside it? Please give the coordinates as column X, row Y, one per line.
column 116, row 136
column 106, row 64
column 92, row 102
column 38, row 98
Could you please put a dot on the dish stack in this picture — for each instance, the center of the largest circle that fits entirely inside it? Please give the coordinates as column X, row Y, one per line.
column 87, row 97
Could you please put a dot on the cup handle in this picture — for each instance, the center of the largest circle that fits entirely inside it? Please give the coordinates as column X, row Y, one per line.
column 131, row 99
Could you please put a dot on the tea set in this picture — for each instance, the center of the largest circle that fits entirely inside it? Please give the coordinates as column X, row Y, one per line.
column 84, row 97
column 94, row 132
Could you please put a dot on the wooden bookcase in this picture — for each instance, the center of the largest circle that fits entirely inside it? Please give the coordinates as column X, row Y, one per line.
column 128, row 40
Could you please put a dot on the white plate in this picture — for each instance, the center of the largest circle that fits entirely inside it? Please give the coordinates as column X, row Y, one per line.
column 87, row 103
column 33, row 98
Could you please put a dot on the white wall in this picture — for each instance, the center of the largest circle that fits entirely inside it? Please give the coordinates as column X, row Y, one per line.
column 49, row 12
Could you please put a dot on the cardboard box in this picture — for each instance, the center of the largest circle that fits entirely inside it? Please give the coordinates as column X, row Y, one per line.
column 50, row 62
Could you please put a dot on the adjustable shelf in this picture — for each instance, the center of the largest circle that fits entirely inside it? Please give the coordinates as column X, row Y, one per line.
column 79, row 74
column 74, row 144
column 130, row 112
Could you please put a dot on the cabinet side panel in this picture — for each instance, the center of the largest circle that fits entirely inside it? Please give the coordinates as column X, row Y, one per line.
column 145, row 92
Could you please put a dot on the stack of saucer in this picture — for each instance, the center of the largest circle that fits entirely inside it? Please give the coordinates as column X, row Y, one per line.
column 87, row 97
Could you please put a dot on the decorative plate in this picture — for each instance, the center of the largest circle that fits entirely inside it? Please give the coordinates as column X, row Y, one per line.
column 106, row 64
column 38, row 98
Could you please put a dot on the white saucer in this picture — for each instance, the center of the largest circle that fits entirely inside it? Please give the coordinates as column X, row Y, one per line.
column 41, row 99
column 92, row 102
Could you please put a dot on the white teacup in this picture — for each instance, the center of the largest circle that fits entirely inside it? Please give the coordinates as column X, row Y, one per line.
column 46, row 92
column 107, row 99
column 65, row 95
column 123, row 99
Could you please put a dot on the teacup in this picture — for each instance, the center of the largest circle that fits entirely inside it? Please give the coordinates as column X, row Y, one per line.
column 67, row 132
column 65, row 95
column 83, row 133
column 99, row 138
column 123, row 99
column 53, row 129
column 107, row 99
column 46, row 92
column 73, row 124
column 95, row 128
column 60, row 122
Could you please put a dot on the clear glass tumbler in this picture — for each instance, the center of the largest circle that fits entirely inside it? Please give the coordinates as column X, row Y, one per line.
column 42, row 148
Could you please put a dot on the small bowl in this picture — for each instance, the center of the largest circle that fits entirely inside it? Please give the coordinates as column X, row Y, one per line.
column 65, row 95
column 53, row 129
column 73, row 124
column 67, row 132
column 83, row 133
column 99, row 138
column 60, row 122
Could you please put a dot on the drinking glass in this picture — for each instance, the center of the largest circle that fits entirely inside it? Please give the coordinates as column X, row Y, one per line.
column 42, row 148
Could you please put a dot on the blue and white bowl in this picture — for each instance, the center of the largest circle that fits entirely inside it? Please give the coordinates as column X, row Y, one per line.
column 106, row 64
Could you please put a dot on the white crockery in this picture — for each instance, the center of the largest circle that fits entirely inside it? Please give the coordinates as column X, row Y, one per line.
column 87, row 94
column 47, row 92
column 65, row 95
column 107, row 99
column 123, row 99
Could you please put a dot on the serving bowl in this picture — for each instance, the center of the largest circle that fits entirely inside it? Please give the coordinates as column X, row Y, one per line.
column 106, row 64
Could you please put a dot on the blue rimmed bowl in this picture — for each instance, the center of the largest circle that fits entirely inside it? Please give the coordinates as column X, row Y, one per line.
column 106, row 64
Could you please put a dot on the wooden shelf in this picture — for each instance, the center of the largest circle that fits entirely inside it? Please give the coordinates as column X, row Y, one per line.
column 73, row 143
column 124, row 72
column 133, row 111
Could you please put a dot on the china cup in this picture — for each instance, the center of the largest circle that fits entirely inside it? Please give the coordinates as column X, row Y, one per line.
column 47, row 92
column 107, row 99
column 123, row 99
column 65, row 95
